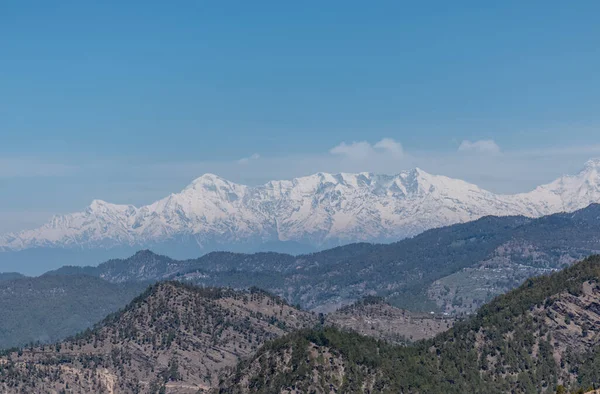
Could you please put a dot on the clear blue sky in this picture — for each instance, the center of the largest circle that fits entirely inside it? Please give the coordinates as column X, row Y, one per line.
column 92, row 93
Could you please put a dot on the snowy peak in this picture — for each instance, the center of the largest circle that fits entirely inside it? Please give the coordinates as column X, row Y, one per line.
column 408, row 182
column 99, row 207
column 207, row 181
column 566, row 194
column 589, row 175
column 592, row 165
column 319, row 209
column 209, row 184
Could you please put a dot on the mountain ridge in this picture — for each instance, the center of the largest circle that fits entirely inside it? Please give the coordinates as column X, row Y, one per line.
column 320, row 209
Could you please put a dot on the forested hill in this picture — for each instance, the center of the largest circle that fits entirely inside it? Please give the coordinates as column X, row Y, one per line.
column 173, row 338
column 540, row 338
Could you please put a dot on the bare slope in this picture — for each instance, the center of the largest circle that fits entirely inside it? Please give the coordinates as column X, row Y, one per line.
column 375, row 318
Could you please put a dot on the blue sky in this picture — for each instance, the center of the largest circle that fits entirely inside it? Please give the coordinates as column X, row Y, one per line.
column 128, row 100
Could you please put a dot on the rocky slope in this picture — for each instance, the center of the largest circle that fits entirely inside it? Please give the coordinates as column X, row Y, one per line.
column 321, row 209
column 173, row 338
column 541, row 338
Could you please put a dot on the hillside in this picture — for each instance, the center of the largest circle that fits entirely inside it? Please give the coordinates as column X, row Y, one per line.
column 172, row 338
column 535, row 339
column 47, row 309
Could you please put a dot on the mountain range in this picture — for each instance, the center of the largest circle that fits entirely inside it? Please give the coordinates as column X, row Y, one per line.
column 453, row 269
column 316, row 211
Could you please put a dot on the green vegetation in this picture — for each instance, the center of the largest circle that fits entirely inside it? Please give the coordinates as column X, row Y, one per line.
column 509, row 346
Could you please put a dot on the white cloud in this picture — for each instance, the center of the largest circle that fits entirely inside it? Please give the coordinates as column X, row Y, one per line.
column 481, row 146
column 363, row 149
column 355, row 150
column 246, row 160
column 390, row 145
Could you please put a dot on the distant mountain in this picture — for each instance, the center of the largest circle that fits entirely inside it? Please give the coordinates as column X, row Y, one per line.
column 10, row 276
column 171, row 339
column 454, row 269
column 318, row 210
column 145, row 265
column 543, row 337
column 49, row 308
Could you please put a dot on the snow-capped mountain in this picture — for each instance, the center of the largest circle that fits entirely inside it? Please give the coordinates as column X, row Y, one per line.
column 320, row 209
